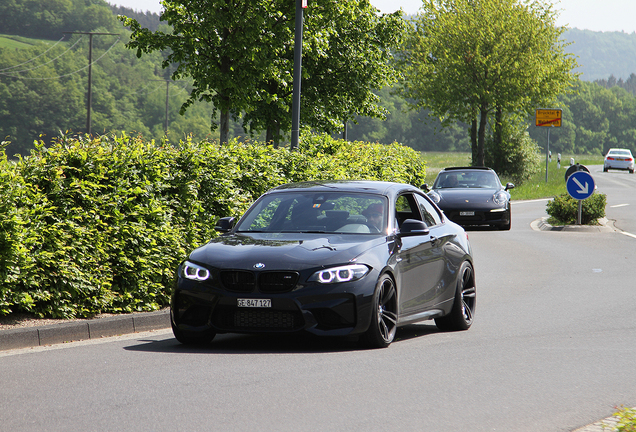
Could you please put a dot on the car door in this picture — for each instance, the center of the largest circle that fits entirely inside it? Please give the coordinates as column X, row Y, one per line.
column 419, row 260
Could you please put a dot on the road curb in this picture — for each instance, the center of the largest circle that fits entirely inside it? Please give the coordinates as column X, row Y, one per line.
column 542, row 225
column 29, row 337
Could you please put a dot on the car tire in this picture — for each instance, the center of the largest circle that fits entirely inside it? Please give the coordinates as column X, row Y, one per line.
column 507, row 226
column 381, row 331
column 192, row 338
column 605, row 169
column 462, row 314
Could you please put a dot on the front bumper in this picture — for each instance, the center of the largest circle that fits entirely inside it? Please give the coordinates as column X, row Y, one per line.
column 330, row 310
column 479, row 216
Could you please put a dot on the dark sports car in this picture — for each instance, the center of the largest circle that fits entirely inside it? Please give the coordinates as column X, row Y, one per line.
column 473, row 196
column 332, row 258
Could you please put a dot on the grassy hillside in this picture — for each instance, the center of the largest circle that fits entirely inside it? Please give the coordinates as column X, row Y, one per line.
column 19, row 42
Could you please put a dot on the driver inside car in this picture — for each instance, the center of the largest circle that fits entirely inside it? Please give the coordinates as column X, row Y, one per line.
column 374, row 214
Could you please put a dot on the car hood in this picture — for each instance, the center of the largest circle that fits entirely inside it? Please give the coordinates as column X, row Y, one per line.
column 283, row 251
column 466, row 198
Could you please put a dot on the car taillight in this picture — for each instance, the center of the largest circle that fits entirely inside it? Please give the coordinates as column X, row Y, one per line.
column 610, row 158
column 629, row 159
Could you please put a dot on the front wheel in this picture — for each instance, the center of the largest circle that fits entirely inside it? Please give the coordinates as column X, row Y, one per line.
column 463, row 312
column 383, row 325
column 507, row 226
column 192, row 338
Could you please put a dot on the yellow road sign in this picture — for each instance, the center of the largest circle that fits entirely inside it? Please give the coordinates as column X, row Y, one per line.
column 548, row 117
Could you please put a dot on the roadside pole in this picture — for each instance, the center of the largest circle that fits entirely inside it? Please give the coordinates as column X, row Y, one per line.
column 298, row 60
column 548, row 118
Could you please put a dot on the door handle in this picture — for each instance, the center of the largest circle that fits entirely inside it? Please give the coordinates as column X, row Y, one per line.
column 433, row 240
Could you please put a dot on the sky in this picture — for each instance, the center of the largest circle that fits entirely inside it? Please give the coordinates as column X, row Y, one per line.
column 595, row 15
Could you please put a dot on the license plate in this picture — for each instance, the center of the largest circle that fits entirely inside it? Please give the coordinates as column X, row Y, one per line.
column 256, row 303
column 467, row 213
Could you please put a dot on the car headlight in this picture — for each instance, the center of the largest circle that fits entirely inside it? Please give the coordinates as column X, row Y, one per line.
column 346, row 273
column 194, row 272
column 435, row 197
column 500, row 198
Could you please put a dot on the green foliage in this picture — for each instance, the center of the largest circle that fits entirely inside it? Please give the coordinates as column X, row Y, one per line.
column 564, row 209
column 516, row 156
column 414, row 128
column 464, row 59
column 595, row 119
column 48, row 19
column 626, row 419
column 603, row 54
column 240, row 56
column 99, row 225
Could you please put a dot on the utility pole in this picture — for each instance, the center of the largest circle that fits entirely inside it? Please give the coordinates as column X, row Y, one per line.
column 165, row 127
column 89, row 101
column 298, row 59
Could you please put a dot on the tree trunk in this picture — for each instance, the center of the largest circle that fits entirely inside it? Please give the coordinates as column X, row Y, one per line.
column 498, row 132
column 481, row 135
column 473, row 140
column 272, row 134
column 224, row 126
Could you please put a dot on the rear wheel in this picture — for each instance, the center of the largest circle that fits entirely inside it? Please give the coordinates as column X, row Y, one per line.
column 383, row 325
column 462, row 314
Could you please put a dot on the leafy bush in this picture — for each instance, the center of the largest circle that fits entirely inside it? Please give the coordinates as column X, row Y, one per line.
column 626, row 420
column 517, row 157
column 98, row 225
column 564, row 209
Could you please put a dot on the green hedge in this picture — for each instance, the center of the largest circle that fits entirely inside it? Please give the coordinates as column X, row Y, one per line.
column 564, row 209
column 89, row 226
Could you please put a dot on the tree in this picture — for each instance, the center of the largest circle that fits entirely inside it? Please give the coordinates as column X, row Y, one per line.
column 468, row 59
column 240, row 56
column 347, row 53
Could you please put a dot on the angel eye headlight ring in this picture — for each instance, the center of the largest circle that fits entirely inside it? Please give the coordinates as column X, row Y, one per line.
column 194, row 272
column 340, row 274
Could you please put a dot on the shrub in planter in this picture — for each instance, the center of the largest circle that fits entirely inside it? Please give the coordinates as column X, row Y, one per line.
column 564, row 209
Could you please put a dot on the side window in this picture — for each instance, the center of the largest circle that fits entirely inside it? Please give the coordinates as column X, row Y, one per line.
column 429, row 213
column 406, row 208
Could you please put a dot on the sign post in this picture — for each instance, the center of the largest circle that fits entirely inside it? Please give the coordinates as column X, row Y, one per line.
column 548, row 118
column 580, row 186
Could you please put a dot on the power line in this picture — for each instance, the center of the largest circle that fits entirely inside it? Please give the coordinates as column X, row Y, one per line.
column 41, row 54
column 90, row 74
column 60, row 76
column 40, row 65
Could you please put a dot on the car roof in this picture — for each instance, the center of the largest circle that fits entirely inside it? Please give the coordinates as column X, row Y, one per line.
column 473, row 168
column 366, row 186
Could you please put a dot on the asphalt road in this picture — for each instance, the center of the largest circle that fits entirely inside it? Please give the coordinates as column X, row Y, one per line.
column 552, row 349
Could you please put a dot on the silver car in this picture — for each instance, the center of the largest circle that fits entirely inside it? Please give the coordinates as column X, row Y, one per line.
column 620, row 159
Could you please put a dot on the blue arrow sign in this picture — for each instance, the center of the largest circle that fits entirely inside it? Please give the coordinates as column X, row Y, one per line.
column 580, row 185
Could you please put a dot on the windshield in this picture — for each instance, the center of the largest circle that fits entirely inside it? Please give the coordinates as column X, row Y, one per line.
column 467, row 179
column 325, row 212
column 619, row 153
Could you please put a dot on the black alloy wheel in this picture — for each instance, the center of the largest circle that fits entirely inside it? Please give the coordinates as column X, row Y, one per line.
column 463, row 312
column 383, row 325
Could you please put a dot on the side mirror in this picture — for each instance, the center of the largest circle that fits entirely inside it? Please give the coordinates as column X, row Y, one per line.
column 225, row 224
column 425, row 187
column 510, row 186
column 412, row 227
